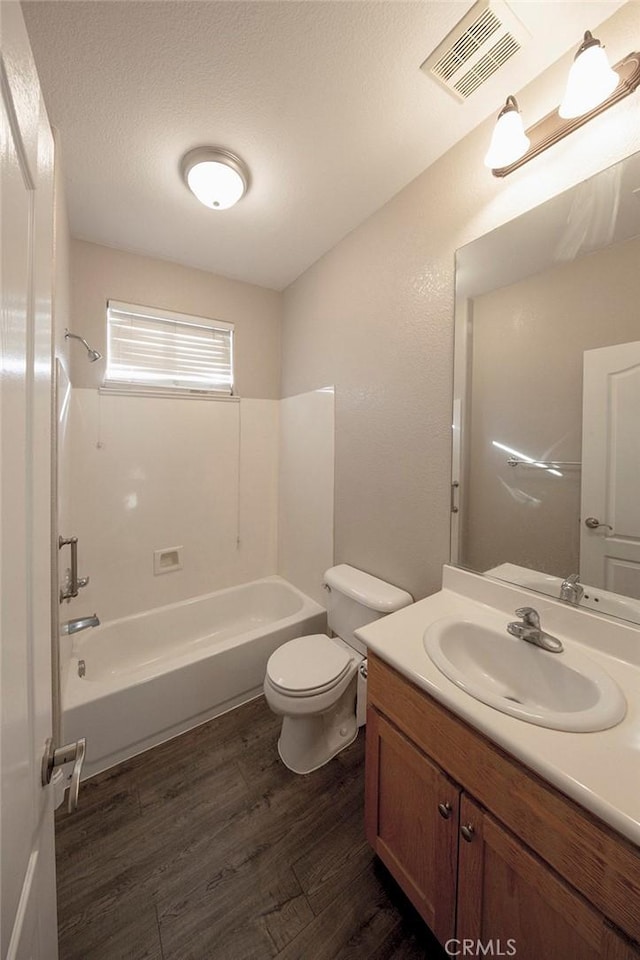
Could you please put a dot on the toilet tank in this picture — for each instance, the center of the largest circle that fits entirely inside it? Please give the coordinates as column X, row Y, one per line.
column 355, row 598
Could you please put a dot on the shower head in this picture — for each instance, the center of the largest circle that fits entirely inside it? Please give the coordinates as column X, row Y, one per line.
column 92, row 354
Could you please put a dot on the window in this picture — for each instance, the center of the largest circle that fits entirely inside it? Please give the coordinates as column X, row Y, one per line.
column 155, row 350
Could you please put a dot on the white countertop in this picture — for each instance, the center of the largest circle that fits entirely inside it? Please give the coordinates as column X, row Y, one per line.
column 601, row 771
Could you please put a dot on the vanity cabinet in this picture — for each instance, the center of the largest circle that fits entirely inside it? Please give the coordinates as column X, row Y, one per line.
column 485, row 849
column 416, row 809
column 506, row 893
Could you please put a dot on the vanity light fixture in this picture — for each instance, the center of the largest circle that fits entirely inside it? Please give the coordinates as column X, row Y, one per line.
column 509, row 141
column 215, row 176
column 593, row 86
column 591, row 79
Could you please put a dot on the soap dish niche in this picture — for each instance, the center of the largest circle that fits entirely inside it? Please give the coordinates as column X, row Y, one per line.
column 167, row 560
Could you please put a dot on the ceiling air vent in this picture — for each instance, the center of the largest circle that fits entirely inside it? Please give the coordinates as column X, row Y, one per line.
column 482, row 42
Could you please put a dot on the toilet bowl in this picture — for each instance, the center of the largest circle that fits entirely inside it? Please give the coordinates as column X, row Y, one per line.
column 312, row 681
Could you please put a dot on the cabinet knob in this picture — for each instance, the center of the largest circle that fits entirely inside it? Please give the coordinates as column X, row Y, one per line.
column 445, row 809
column 467, row 832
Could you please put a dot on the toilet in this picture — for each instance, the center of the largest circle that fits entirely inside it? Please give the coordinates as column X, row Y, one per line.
column 312, row 681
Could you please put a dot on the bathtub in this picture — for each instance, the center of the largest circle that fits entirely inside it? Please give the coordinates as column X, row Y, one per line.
column 151, row 676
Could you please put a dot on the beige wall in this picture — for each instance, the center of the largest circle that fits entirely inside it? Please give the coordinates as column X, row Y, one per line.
column 374, row 316
column 526, row 392
column 101, row 273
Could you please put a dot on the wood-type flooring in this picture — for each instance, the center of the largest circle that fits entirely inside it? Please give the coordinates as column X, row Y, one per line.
column 208, row 848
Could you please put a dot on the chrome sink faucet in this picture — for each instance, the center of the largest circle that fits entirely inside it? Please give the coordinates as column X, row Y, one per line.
column 529, row 629
column 571, row 589
column 79, row 623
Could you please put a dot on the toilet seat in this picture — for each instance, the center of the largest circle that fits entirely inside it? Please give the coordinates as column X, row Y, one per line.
column 308, row 665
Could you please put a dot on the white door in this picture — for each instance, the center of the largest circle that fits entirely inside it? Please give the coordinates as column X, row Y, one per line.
column 610, row 552
column 27, row 875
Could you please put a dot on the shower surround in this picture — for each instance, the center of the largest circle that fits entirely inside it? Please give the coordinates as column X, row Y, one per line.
column 245, row 489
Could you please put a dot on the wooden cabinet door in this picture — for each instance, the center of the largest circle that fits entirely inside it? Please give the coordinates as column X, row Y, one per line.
column 506, row 894
column 414, row 837
column 617, row 946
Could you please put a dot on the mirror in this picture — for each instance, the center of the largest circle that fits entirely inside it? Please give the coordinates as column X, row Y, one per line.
column 546, row 465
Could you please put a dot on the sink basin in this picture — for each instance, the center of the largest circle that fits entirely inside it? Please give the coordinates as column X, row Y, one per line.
column 564, row 691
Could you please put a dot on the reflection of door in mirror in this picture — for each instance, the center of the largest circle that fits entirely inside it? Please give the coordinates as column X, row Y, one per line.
column 528, row 312
column 610, row 529
column 528, row 343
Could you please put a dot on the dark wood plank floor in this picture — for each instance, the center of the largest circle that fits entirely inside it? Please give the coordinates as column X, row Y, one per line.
column 208, row 848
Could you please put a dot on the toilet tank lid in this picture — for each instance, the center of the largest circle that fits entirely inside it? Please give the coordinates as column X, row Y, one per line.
column 369, row 591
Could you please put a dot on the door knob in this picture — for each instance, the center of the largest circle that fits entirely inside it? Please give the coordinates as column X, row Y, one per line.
column 57, row 757
column 445, row 809
column 593, row 523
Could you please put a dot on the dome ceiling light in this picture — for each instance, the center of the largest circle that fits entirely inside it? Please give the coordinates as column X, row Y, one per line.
column 215, row 176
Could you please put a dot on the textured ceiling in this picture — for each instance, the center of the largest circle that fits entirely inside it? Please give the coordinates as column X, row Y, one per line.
column 323, row 100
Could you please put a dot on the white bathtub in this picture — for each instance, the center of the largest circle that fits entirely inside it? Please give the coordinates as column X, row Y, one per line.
column 154, row 675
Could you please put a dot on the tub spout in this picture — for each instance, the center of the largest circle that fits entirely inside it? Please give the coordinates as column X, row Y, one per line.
column 79, row 623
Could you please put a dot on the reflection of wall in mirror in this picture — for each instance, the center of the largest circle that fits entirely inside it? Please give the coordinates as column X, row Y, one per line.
column 526, row 393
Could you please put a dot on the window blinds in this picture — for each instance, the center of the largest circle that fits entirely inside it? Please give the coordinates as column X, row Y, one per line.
column 158, row 349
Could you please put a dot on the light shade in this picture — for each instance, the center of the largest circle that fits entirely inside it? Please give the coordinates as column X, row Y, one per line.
column 216, row 177
column 509, row 141
column 591, row 80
